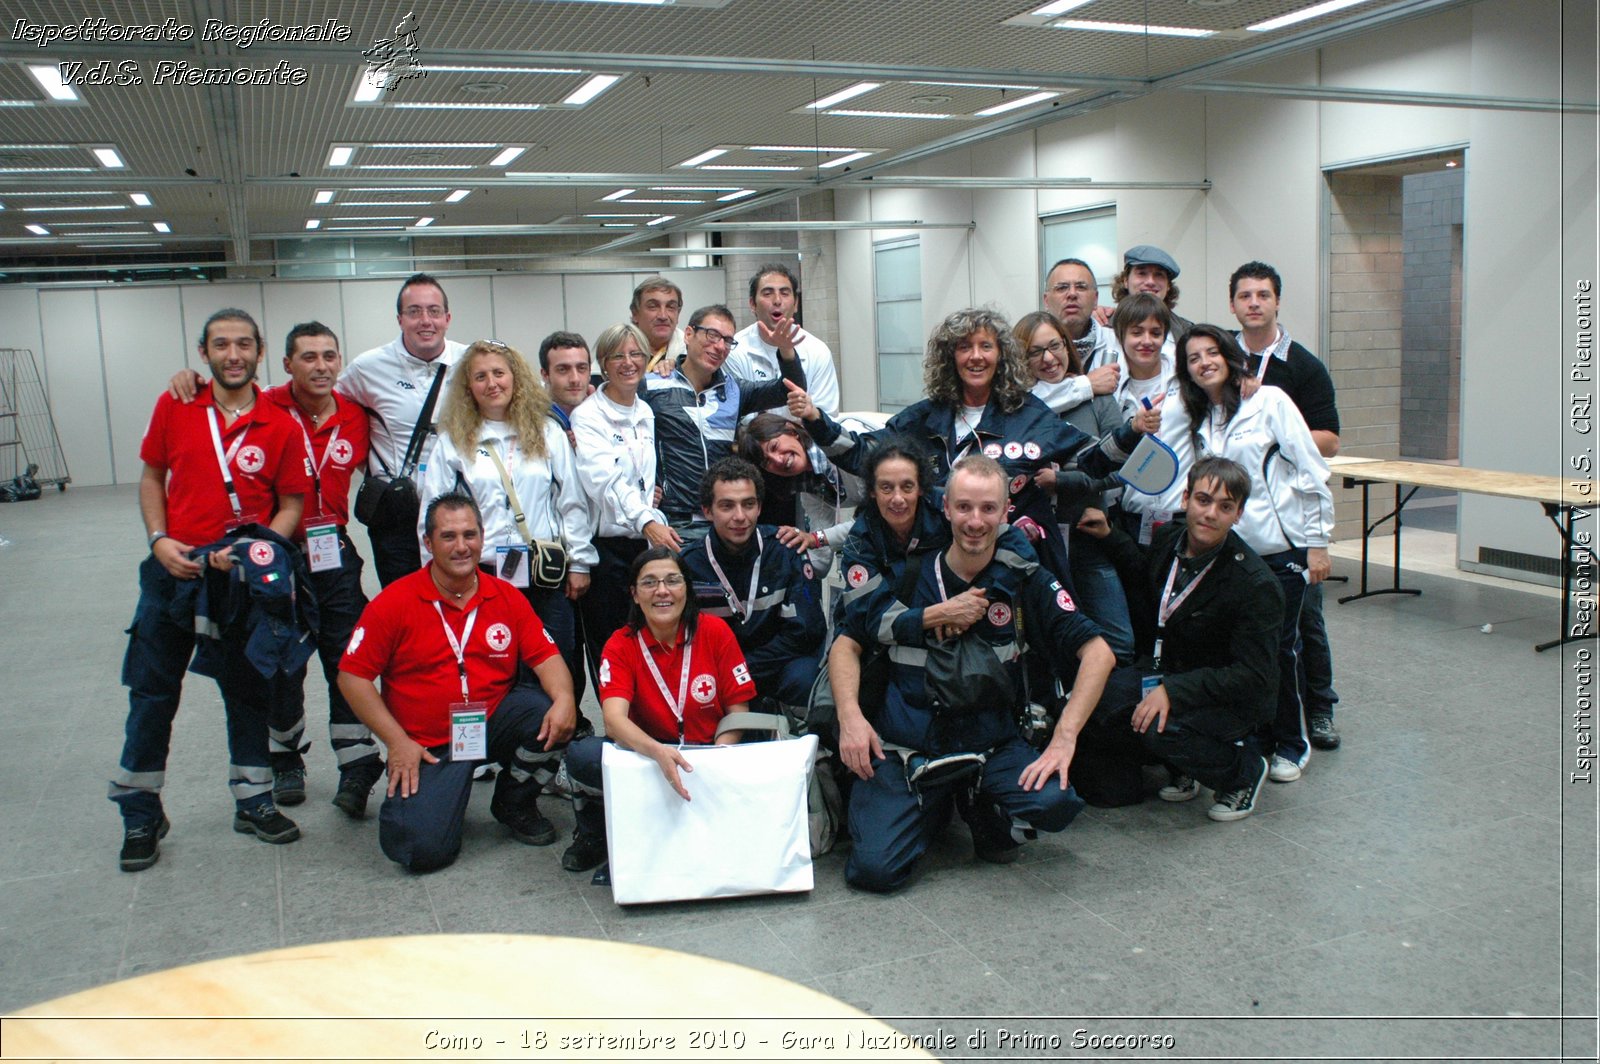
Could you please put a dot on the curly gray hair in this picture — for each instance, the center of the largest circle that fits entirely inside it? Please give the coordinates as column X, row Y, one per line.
column 1011, row 377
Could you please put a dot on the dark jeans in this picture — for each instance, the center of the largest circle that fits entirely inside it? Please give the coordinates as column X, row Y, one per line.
column 1316, row 657
column 561, row 621
column 395, row 550
column 159, row 648
column 1200, row 743
column 339, row 604
column 1286, row 735
column 605, row 607
column 423, row 832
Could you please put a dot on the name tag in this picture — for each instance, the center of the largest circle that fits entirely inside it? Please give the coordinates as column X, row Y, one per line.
column 322, row 547
column 469, row 731
column 1147, row 684
column 512, row 565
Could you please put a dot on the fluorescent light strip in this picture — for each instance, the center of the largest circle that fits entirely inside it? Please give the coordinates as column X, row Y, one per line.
column 664, row 201
column 1314, row 11
column 99, row 233
column 373, row 218
column 730, row 166
column 133, row 244
column 591, row 88
column 366, row 90
column 386, row 203
column 618, row 225
column 161, row 227
column 458, row 195
column 95, row 207
column 886, row 114
column 37, row 230
column 415, row 166
column 621, row 214
column 793, row 147
column 1059, row 7
column 61, row 192
column 505, row 157
column 49, row 78
column 858, row 89
column 409, row 188
column 452, row 68
column 38, row 147
column 47, row 170
column 324, row 195
column 314, row 224
column 663, row 218
column 975, row 85
column 139, row 199
column 619, row 193
column 341, row 155
column 844, row 160
column 475, row 145
column 101, row 224
column 109, row 158
column 469, row 106
column 424, row 222
column 736, row 195
column 18, row 103
column 704, row 157
column 1017, row 104
column 364, row 228
column 1131, row 27
column 694, row 188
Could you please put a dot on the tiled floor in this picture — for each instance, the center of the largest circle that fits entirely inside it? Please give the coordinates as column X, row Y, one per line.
column 1438, row 870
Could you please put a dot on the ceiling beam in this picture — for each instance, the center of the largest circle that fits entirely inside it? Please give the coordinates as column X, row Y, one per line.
column 1345, row 94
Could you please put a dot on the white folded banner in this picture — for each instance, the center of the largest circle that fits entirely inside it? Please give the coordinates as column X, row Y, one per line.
column 744, row 831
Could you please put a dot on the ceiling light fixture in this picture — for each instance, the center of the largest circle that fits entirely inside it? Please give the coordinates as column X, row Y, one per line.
column 366, row 91
column 458, row 195
column 1131, row 27
column 314, row 224
column 139, row 199
column 452, row 68
column 341, row 155
column 94, row 207
column 672, row 202
column 844, row 160
column 736, row 166
column 472, row 145
column 887, row 114
column 324, row 195
column 415, row 166
column 37, row 230
column 858, row 89
column 694, row 188
column 372, row 218
column 161, row 227
column 506, row 156
column 462, row 105
column 976, row 85
column 704, row 157
column 1314, row 11
column 409, row 188
column 794, row 147
column 663, row 218
column 1059, row 7
column 109, row 158
column 1012, row 105
column 386, row 203
column 621, row 214
column 619, row 193
column 736, row 195
column 48, row 75
column 424, row 222
column 46, row 169
column 591, row 88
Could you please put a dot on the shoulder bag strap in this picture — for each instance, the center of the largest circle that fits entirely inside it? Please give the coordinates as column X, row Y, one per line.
column 511, row 495
column 419, row 432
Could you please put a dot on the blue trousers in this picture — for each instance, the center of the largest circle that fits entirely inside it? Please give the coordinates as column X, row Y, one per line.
column 423, row 832
column 561, row 621
column 1099, row 590
column 890, row 830
column 160, row 644
column 340, row 601
column 788, row 681
column 1316, row 658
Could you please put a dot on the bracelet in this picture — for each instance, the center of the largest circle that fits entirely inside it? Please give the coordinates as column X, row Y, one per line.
column 819, row 540
column 155, row 537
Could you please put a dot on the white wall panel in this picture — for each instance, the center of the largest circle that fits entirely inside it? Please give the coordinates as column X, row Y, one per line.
column 471, row 308
column 200, row 301
column 289, row 303
column 596, row 301
column 527, row 308
column 142, row 336
column 76, row 382
column 19, row 321
column 369, row 317
column 700, row 288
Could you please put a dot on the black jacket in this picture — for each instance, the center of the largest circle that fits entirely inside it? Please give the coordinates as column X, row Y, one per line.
column 1220, row 648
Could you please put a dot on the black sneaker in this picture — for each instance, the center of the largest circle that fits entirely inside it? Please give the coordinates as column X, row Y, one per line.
column 141, row 845
column 355, row 784
column 266, row 824
column 1240, row 802
column 585, row 853
column 289, row 786
column 991, row 831
column 1323, row 734
column 529, row 826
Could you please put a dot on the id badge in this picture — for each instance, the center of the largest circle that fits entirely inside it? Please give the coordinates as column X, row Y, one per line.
column 469, row 731
column 322, row 547
column 512, row 565
column 1147, row 527
column 1147, row 684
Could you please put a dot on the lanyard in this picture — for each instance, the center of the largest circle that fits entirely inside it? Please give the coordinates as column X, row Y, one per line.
column 1280, row 348
column 683, row 680
column 747, row 607
column 458, row 646
column 1169, row 605
column 311, row 455
column 223, row 460
column 938, row 576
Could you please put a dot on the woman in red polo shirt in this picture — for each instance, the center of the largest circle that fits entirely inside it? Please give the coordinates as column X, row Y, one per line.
column 666, row 678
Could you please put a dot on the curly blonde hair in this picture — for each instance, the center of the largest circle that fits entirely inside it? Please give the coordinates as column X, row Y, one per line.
column 1011, row 377
column 530, row 403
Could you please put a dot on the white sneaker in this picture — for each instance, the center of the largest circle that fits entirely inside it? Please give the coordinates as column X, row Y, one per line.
column 1283, row 770
column 1181, row 789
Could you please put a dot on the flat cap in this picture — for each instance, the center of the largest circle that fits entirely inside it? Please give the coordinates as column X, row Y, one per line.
column 1150, row 255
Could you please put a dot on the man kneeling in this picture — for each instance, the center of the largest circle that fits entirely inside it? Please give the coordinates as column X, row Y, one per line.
column 447, row 641
column 1217, row 610
column 948, row 726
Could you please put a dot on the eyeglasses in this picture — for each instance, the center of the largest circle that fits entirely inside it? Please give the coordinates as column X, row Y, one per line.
column 631, row 356
column 416, row 313
column 650, row 583
column 494, row 345
column 1070, row 286
column 1054, row 347
column 715, row 337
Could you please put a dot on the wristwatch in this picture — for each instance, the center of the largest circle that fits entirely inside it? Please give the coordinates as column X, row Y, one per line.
column 157, row 534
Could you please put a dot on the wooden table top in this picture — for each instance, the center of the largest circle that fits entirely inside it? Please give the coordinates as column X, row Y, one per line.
column 422, row 996
column 1456, row 478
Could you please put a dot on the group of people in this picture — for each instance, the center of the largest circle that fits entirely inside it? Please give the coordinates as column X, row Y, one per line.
column 1011, row 631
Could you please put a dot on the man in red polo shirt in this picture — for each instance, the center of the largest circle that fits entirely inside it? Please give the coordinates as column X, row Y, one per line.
column 447, row 640
column 212, row 465
column 332, row 434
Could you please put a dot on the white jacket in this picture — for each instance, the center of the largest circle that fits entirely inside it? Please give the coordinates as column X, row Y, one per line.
column 1290, row 504
column 552, row 500
column 755, row 360
column 393, row 384
column 617, row 463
